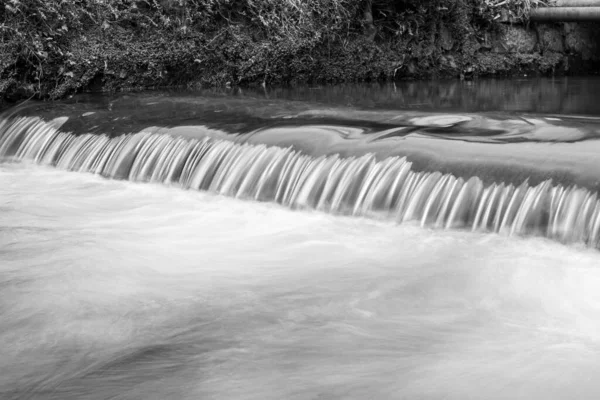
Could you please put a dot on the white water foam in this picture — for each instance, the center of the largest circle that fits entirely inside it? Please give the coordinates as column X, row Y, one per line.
column 111, row 289
column 362, row 186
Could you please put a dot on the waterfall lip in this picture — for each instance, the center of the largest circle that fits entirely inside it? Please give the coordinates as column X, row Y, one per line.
column 375, row 183
column 501, row 172
column 134, row 113
column 488, row 145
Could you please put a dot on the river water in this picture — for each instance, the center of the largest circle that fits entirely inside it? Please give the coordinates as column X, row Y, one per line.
column 121, row 289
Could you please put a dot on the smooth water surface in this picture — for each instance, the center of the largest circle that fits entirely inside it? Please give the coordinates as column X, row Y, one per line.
column 111, row 289
column 559, row 95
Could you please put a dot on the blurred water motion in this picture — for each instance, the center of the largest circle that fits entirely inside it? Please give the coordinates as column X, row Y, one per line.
column 360, row 186
column 129, row 291
column 269, row 282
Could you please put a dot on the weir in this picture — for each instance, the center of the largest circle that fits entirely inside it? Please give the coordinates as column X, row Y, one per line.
column 388, row 188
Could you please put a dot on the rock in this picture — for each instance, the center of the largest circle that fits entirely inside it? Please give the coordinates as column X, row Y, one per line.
column 551, row 62
column 579, row 40
column 446, row 40
column 493, row 64
column 468, row 73
column 411, row 68
column 471, row 46
column 451, row 62
column 566, row 64
column 514, row 39
column 486, row 43
column 550, row 38
column 448, row 63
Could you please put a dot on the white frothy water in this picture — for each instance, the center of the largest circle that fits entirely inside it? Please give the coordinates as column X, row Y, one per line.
column 363, row 186
column 116, row 290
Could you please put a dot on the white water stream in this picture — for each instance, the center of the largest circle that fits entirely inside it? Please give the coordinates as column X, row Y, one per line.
column 361, row 186
column 119, row 290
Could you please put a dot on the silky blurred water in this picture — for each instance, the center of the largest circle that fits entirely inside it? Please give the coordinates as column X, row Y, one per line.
column 116, row 290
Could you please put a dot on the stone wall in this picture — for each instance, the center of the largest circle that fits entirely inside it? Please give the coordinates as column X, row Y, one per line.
column 561, row 48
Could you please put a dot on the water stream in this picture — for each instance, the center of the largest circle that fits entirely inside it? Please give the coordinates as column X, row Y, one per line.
column 309, row 251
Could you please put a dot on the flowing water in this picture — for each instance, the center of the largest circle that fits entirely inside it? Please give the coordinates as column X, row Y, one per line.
column 272, row 249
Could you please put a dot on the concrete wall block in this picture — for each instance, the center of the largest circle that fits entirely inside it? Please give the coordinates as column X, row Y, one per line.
column 579, row 40
column 550, row 38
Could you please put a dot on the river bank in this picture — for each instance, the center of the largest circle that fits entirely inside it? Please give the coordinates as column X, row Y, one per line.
column 51, row 50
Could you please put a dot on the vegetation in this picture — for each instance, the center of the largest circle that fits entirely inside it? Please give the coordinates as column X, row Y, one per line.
column 514, row 9
column 51, row 48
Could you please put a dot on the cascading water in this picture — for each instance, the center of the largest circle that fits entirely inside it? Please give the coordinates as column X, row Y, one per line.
column 111, row 289
column 359, row 186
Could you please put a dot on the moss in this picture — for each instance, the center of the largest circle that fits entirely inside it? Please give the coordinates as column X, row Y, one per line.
column 551, row 62
column 494, row 64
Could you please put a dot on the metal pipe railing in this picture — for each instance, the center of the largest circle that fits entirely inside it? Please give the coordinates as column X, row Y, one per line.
column 565, row 14
column 575, row 3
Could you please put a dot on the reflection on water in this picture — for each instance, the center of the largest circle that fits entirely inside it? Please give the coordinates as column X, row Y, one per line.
column 134, row 291
column 544, row 95
column 565, row 95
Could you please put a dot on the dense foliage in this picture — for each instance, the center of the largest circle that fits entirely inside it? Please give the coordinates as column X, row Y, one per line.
column 50, row 48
